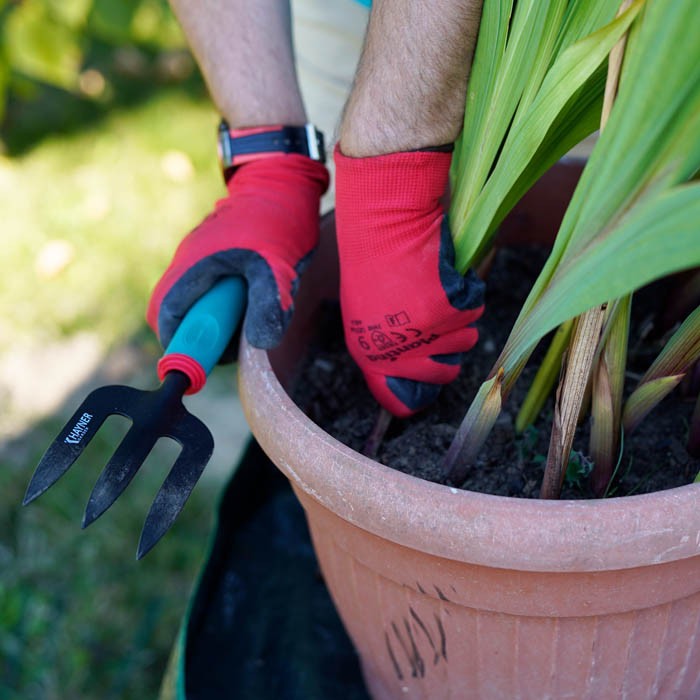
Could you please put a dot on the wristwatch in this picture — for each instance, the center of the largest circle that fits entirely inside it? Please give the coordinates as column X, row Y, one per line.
column 238, row 146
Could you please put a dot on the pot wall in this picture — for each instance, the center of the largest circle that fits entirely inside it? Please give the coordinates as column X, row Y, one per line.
column 435, row 628
column 452, row 594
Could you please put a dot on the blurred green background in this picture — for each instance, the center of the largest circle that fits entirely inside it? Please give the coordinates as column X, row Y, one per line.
column 107, row 157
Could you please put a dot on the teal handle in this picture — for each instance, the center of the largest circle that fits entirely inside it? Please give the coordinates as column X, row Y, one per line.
column 209, row 325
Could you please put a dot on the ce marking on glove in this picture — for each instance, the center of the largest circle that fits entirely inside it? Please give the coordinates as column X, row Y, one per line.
column 399, row 319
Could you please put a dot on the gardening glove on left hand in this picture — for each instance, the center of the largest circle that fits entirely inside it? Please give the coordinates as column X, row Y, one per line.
column 407, row 312
column 264, row 230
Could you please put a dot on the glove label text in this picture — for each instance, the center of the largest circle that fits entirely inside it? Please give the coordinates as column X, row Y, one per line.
column 396, row 320
column 395, row 353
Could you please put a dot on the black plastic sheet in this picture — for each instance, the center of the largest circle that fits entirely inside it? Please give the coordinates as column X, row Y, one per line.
column 262, row 624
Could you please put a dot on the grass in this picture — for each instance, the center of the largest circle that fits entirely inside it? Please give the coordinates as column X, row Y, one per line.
column 117, row 196
column 90, row 219
column 80, row 618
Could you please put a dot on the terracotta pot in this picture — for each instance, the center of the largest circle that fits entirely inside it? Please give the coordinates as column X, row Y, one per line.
column 454, row 594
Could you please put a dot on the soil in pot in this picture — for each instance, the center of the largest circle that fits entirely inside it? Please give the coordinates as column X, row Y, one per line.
column 333, row 394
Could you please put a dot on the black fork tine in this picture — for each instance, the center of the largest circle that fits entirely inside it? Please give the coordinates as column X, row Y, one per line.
column 197, row 448
column 75, row 436
column 119, row 472
column 192, row 353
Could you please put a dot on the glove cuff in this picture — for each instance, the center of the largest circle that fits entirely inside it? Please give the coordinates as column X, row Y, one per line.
column 409, row 179
column 384, row 202
column 293, row 173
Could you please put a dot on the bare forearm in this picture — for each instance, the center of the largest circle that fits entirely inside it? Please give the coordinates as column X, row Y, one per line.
column 411, row 83
column 244, row 50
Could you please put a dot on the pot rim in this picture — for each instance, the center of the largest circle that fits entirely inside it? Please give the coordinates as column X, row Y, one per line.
column 484, row 529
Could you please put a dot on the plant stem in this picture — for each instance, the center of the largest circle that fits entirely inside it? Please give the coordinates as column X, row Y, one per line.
column 377, row 435
column 606, row 396
column 572, row 389
column 545, row 378
column 474, row 429
column 614, row 67
column 570, row 396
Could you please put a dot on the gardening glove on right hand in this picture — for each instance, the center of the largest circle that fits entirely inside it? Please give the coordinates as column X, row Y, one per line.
column 264, row 230
column 407, row 312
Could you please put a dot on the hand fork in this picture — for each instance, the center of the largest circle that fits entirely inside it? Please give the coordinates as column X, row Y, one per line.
column 196, row 347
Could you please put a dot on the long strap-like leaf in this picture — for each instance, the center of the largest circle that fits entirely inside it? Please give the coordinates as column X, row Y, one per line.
column 533, row 95
column 632, row 219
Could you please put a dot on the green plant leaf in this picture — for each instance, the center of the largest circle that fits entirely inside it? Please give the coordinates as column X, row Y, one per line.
column 631, row 219
column 112, row 20
column 73, row 13
column 476, row 425
column 491, row 41
column 577, row 120
column 651, row 131
column 584, row 18
column 650, row 144
column 578, row 469
column 40, row 47
column 680, row 352
column 509, row 44
column 656, row 238
column 552, row 110
column 606, row 395
column 646, row 397
column 547, row 375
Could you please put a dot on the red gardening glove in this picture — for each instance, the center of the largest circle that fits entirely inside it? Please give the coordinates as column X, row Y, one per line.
column 264, row 230
column 406, row 310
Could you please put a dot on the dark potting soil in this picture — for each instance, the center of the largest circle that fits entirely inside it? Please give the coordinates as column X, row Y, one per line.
column 333, row 394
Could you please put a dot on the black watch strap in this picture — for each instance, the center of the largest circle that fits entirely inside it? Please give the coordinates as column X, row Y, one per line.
column 240, row 146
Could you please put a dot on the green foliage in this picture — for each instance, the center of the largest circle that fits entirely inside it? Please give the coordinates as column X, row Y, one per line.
column 135, row 21
column 607, row 389
column 113, row 20
column 535, row 91
column 40, row 47
column 50, row 43
column 678, row 356
column 545, row 379
column 118, row 208
column 79, row 617
column 578, row 469
column 633, row 217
